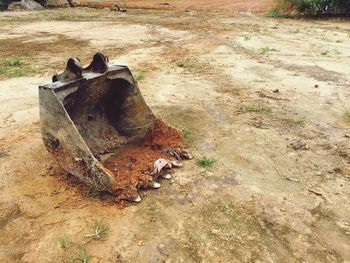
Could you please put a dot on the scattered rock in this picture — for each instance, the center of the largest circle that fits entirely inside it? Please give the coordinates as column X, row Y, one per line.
column 299, row 145
column 140, row 243
column 337, row 170
column 161, row 248
column 26, row 5
column 276, row 91
column 215, row 231
column 209, row 174
column 316, row 86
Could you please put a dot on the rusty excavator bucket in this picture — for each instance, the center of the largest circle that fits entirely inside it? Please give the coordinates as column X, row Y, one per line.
column 97, row 125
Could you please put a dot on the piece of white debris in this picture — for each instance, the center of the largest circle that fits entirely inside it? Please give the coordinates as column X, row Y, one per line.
column 176, row 163
column 160, row 164
column 154, row 185
column 167, row 176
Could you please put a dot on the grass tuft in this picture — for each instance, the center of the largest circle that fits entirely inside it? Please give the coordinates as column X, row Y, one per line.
column 63, row 241
column 277, row 12
column 100, row 230
column 267, row 50
column 84, row 258
column 13, row 68
column 295, row 121
column 185, row 65
column 205, row 162
column 247, row 37
column 13, row 62
column 140, row 77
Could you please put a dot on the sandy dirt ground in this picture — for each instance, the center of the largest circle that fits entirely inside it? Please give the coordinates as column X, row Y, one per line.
column 234, row 5
column 266, row 98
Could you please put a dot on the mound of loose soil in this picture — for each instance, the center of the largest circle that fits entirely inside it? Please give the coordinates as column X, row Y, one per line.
column 132, row 166
column 164, row 136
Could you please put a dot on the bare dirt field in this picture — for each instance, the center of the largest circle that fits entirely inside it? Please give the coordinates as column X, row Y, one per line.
column 236, row 5
column 266, row 98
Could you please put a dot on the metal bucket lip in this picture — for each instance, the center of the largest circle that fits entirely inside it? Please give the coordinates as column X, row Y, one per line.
column 87, row 75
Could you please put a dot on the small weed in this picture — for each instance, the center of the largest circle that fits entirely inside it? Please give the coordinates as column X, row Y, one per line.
column 277, row 12
column 325, row 53
column 339, row 41
column 267, row 50
column 13, row 62
column 63, row 241
column 140, row 77
column 199, row 240
column 100, row 230
column 18, row 72
column 225, row 206
column 13, row 68
column 256, row 108
column 184, row 131
column 185, row 65
column 205, row 162
column 296, row 31
column 84, row 258
column 247, row 37
column 295, row 121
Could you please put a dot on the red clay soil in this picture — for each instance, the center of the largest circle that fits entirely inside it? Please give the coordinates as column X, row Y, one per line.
column 164, row 136
column 233, row 5
column 132, row 165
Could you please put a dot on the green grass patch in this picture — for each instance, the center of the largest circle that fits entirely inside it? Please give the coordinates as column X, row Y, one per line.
column 205, row 162
column 277, row 12
column 185, row 131
column 100, row 230
column 140, row 77
column 185, row 65
column 247, row 37
column 267, row 50
column 295, row 121
column 13, row 62
column 13, row 68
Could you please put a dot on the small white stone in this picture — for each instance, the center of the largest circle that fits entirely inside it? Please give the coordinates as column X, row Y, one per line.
column 137, row 199
column 154, row 185
column 176, row 163
column 167, row 176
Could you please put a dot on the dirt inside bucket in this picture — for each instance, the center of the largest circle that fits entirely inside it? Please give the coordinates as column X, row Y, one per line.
column 132, row 166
